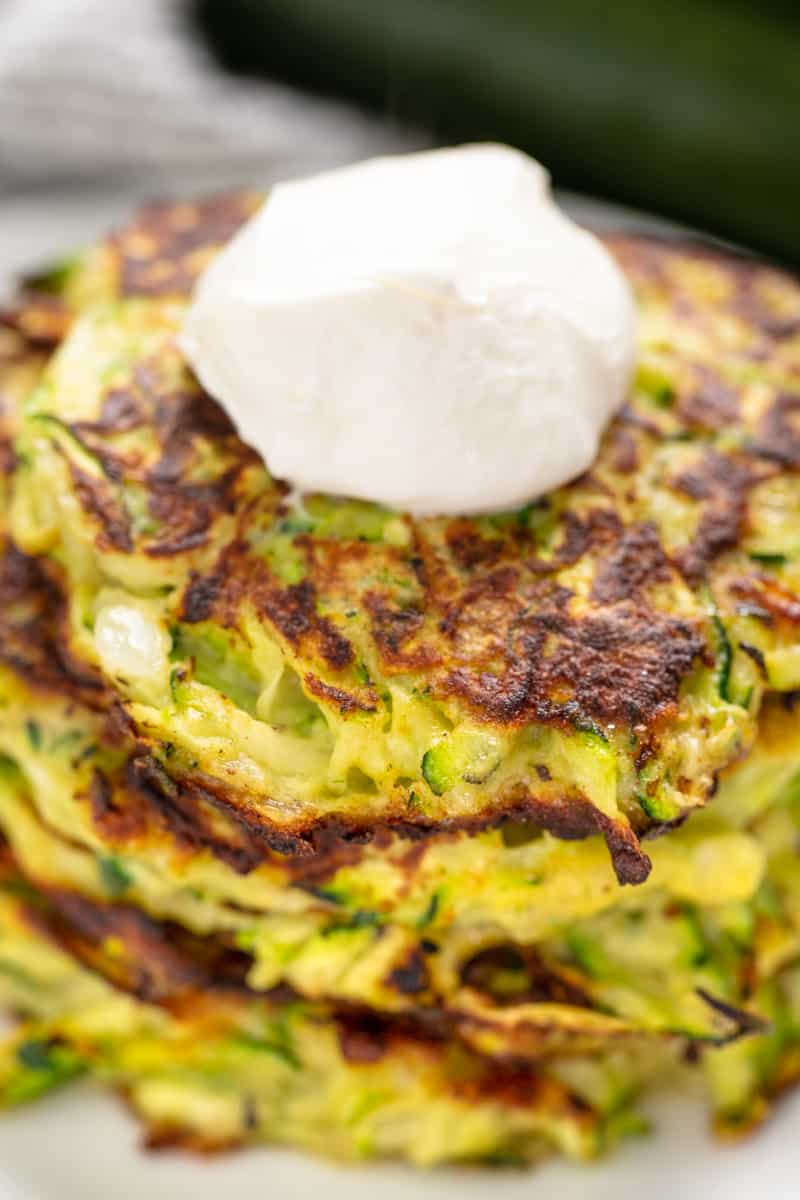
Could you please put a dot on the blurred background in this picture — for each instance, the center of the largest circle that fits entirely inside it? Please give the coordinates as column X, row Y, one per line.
column 684, row 109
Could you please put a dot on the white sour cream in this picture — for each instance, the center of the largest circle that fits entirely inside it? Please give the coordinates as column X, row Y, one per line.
column 427, row 331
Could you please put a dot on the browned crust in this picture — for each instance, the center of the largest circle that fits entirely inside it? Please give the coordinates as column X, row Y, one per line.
column 469, row 548
column 200, row 596
column 158, row 962
column 721, row 482
column 192, row 816
column 637, row 562
column 100, row 500
column 165, row 249
column 411, row 977
column 183, row 509
column 624, row 664
column 346, row 702
column 778, row 435
column 199, row 813
column 29, row 331
column 709, row 403
column 33, row 641
column 163, row 1137
column 624, row 448
column 543, row 984
column 767, row 598
column 598, row 528
column 42, row 320
column 314, row 846
column 361, row 1042
column 393, row 628
column 291, row 610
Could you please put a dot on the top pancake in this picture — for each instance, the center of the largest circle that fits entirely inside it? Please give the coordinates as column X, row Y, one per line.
column 588, row 663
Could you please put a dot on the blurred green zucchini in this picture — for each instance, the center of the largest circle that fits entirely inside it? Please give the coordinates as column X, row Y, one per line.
column 688, row 108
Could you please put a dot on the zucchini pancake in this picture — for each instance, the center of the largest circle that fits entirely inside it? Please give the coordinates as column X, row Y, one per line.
column 439, row 839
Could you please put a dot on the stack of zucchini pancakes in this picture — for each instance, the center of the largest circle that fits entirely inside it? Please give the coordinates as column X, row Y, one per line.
column 445, row 840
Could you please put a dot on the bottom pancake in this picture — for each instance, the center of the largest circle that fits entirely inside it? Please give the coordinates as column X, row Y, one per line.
column 168, row 1021
column 210, row 1067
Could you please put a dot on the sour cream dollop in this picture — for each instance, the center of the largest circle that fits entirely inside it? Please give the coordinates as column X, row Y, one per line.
column 428, row 331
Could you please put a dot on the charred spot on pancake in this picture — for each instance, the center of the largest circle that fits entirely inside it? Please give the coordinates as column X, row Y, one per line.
column 346, row 702
column 768, row 597
column 574, row 817
column 468, row 546
column 411, row 977
column 32, row 631
column 42, row 320
column 778, row 434
column 121, row 411
column 583, row 534
column 178, row 424
column 157, row 961
column 293, row 612
column 622, row 664
column 8, row 460
column 314, row 846
column 623, row 448
column 394, row 630
column 164, row 1136
column 742, row 281
column 519, row 1085
column 512, row 974
column 362, row 1041
column 115, row 818
column 193, row 816
column 186, row 513
column 637, row 562
column 709, row 402
column 201, row 596
column 150, row 399
column 722, row 483
column 100, row 501
column 168, row 245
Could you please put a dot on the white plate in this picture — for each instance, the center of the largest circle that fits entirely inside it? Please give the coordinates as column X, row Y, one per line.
column 81, row 1145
